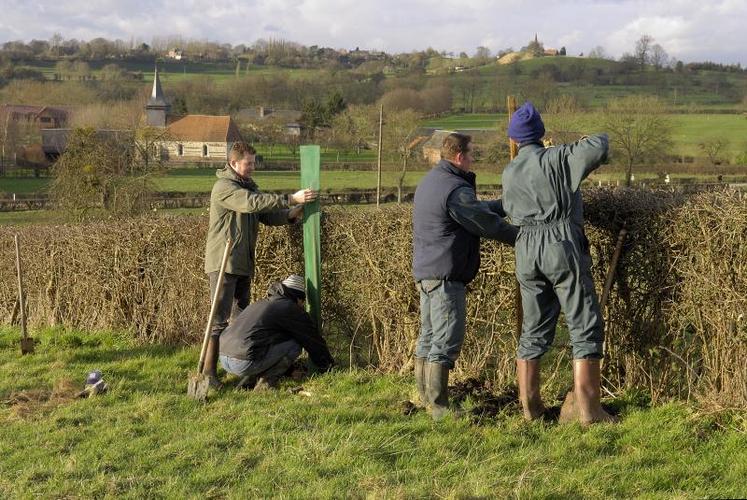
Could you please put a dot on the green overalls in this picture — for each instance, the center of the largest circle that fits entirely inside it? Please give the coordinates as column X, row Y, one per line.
column 541, row 195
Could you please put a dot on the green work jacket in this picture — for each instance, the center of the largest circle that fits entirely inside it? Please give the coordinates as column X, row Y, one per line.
column 237, row 206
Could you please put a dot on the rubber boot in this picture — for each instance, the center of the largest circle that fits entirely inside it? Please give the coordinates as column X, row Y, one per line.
column 210, row 368
column 437, row 389
column 583, row 405
column 269, row 378
column 420, row 380
column 528, row 376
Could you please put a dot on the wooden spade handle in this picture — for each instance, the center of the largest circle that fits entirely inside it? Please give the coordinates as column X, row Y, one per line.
column 20, row 289
column 214, row 304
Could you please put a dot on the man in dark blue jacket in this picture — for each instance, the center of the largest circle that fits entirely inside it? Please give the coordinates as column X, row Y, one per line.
column 448, row 222
column 265, row 339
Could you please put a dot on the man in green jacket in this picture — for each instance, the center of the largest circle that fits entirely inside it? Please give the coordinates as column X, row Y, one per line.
column 237, row 206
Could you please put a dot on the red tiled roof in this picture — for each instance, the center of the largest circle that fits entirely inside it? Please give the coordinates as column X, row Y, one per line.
column 204, row 128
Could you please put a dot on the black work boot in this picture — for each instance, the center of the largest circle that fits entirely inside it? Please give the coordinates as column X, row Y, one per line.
column 420, row 380
column 210, row 367
column 269, row 378
column 246, row 383
column 437, row 389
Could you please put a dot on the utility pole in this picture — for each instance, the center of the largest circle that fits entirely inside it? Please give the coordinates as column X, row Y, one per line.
column 5, row 138
column 378, row 166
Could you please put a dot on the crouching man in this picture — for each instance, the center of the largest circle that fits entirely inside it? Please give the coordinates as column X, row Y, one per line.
column 264, row 340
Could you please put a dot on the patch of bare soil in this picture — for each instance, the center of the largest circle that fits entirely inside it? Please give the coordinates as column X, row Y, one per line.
column 26, row 404
column 485, row 402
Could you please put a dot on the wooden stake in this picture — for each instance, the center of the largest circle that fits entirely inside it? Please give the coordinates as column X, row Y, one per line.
column 513, row 151
column 378, row 167
column 27, row 343
column 613, row 267
column 511, row 107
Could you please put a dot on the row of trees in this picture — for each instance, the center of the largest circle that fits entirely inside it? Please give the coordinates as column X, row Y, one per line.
column 286, row 53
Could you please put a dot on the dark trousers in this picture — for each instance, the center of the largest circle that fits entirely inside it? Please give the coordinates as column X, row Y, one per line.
column 233, row 299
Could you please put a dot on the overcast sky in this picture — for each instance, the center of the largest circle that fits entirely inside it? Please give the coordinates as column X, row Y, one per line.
column 690, row 30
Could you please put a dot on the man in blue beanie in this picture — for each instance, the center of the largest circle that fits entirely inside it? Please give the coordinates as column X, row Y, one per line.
column 448, row 222
column 541, row 194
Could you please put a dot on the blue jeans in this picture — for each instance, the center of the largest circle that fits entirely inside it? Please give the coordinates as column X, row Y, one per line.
column 275, row 353
column 443, row 316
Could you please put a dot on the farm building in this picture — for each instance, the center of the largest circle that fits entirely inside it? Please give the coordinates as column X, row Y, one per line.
column 54, row 140
column 40, row 117
column 432, row 147
column 176, row 54
column 288, row 119
column 200, row 137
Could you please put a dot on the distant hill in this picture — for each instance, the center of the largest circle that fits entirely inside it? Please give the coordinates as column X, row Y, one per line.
column 513, row 57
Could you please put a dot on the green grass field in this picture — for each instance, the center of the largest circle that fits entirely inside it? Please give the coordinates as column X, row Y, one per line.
column 688, row 129
column 328, row 155
column 286, row 181
column 201, row 180
column 345, row 435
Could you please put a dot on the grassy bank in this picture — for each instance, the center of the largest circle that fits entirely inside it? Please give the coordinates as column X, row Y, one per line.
column 345, row 436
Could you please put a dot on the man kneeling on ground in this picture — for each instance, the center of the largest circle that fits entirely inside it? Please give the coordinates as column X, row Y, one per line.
column 264, row 340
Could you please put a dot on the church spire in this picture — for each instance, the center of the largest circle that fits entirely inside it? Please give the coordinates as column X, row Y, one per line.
column 156, row 95
column 157, row 107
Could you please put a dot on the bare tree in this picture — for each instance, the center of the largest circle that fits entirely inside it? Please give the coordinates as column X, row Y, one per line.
column 400, row 129
column 9, row 137
column 401, row 99
column 597, row 52
column 659, row 57
column 110, row 172
column 355, row 127
column 713, row 148
column 639, row 130
column 643, row 49
column 482, row 55
column 564, row 119
column 436, row 99
column 469, row 86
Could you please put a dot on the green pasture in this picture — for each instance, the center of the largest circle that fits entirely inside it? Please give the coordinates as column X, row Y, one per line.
column 193, row 180
column 202, row 181
column 688, row 129
column 329, row 156
column 344, row 434
column 699, row 91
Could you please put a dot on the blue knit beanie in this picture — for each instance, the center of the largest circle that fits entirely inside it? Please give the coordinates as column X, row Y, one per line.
column 526, row 124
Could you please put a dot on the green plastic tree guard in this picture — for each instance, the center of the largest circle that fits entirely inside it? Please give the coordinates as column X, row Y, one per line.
column 312, row 234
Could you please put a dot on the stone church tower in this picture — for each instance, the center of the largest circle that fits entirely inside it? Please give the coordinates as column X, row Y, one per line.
column 157, row 107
